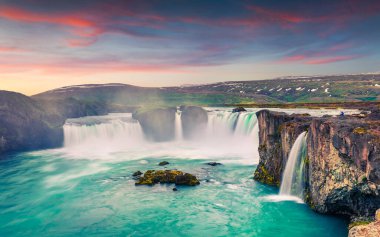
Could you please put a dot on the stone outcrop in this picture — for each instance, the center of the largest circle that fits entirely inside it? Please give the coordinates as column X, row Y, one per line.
column 157, row 124
column 277, row 133
column 177, row 177
column 363, row 229
column 24, row 125
column 342, row 164
column 194, row 120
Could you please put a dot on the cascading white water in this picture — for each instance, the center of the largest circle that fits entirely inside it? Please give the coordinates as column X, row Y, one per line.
column 178, row 126
column 227, row 123
column 232, row 135
column 102, row 134
column 292, row 178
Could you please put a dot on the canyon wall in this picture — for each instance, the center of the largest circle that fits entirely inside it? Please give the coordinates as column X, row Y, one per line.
column 277, row 133
column 342, row 164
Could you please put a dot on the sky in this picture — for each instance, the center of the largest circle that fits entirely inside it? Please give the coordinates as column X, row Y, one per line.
column 47, row 44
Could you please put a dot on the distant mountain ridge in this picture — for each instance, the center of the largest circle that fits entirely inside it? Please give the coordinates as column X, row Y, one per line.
column 336, row 88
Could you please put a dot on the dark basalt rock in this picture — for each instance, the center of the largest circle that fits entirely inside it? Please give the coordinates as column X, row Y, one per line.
column 194, row 121
column 137, row 173
column 162, row 163
column 175, row 189
column 157, row 124
column 177, row 177
column 213, row 163
column 277, row 133
column 342, row 167
column 239, row 109
column 24, row 125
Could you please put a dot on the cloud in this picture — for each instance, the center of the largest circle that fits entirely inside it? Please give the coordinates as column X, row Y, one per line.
column 332, row 59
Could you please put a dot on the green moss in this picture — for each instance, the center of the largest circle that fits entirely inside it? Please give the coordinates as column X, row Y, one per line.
column 360, row 130
column 262, row 175
column 358, row 223
column 307, row 161
column 308, row 199
column 152, row 177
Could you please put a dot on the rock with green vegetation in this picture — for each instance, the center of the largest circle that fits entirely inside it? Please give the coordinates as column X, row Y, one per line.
column 365, row 228
column 277, row 132
column 342, row 165
column 177, row 177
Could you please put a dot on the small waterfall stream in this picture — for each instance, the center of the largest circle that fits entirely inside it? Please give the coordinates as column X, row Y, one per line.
column 292, row 178
column 178, row 126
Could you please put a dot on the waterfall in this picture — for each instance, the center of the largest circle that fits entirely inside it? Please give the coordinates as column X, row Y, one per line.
column 292, row 178
column 178, row 126
column 228, row 123
column 115, row 131
column 232, row 135
column 245, row 123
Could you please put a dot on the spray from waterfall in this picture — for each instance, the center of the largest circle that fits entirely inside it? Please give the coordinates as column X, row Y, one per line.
column 292, row 180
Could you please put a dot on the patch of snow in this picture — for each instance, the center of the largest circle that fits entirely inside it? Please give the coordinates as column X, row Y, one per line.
column 313, row 90
column 327, row 90
column 288, row 89
column 279, row 89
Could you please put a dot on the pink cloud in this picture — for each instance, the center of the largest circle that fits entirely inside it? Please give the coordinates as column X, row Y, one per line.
column 332, row 59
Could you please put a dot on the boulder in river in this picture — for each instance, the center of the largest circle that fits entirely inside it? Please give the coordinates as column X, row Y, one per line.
column 177, row 177
column 162, row 163
column 213, row 163
column 239, row 109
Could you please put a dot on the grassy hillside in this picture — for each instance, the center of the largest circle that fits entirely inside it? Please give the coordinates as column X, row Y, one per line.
column 322, row 89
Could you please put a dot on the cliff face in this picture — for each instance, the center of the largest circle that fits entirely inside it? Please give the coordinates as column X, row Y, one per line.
column 342, row 164
column 158, row 124
column 194, row 120
column 277, row 133
column 24, row 125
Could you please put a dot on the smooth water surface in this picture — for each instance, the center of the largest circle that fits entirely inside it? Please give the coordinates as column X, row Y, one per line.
column 49, row 194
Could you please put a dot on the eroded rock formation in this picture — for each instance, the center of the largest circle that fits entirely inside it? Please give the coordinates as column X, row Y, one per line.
column 277, row 133
column 194, row 120
column 342, row 164
column 157, row 124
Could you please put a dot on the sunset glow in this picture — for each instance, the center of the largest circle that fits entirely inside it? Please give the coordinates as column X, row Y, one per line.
column 46, row 44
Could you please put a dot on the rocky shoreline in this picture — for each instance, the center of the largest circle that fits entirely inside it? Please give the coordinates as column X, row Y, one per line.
column 342, row 167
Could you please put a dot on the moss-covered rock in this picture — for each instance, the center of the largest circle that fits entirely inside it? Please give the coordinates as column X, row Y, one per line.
column 177, row 177
column 262, row 175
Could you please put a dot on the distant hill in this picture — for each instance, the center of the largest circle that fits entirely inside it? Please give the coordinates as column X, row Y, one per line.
column 24, row 125
column 317, row 89
column 363, row 87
